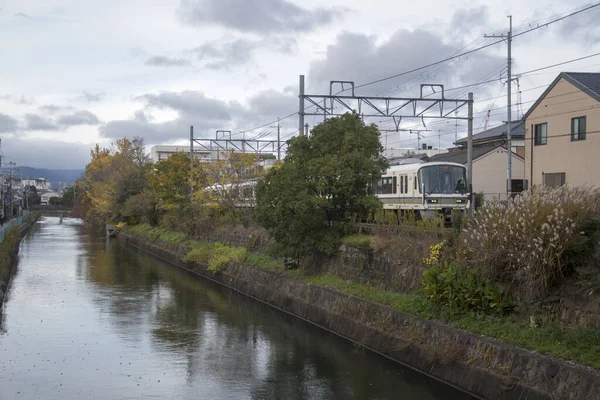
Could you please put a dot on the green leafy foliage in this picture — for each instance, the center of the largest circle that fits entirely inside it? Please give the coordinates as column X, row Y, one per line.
column 7, row 249
column 215, row 255
column 262, row 260
column 359, row 241
column 152, row 234
column 461, row 290
column 314, row 197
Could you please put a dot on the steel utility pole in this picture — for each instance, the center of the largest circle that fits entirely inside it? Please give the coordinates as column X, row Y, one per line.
column 301, row 107
column 278, row 139
column 508, row 107
column 191, row 162
column 508, row 113
column 470, row 153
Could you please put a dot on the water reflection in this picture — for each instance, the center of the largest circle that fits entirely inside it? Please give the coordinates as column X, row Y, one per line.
column 91, row 318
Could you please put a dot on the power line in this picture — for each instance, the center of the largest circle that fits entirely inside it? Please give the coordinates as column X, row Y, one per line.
column 559, row 64
column 558, row 19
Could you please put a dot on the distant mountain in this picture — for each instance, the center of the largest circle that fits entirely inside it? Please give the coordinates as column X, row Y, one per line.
column 53, row 175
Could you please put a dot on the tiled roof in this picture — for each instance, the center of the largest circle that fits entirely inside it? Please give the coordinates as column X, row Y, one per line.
column 460, row 156
column 517, row 130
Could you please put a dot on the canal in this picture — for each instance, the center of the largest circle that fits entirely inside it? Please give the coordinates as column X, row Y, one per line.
column 87, row 318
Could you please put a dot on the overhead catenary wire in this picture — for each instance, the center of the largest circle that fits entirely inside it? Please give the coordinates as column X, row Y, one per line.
column 455, row 56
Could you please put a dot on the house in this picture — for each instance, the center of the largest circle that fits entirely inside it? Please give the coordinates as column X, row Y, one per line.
column 489, row 168
column 497, row 135
column 45, row 198
column 561, row 140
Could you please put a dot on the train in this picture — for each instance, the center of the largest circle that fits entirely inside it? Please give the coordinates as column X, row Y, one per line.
column 427, row 189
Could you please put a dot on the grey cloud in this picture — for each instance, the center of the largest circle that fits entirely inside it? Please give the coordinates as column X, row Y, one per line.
column 206, row 115
column 156, row 133
column 141, row 116
column 224, row 54
column 466, row 20
column 35, row 122
column 23, row 100
column 258, row 16
column 93, row 97
column 47, row 153
column 583, row 27
column 21, row 15
column 219, row 55
column 190, row 103
column 162, row 61
column 7, row 123
column 82, row 117
column 358, row 58
column 53, row 108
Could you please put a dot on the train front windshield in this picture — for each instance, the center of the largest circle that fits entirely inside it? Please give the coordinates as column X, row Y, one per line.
column 443, row 179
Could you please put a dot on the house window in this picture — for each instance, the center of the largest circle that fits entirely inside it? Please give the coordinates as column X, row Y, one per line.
column 554, row 179
column 541, row 134
column 578, row 128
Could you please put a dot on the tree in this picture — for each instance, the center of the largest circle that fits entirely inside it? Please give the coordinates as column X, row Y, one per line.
column 171, row 180
column 113, row 176
column 67, row 198
column 324, row 184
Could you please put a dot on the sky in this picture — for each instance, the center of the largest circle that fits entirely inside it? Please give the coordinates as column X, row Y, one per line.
column 79, row 72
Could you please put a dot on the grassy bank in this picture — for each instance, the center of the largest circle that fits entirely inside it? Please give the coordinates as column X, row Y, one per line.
column 581, row 345
column 7, row 256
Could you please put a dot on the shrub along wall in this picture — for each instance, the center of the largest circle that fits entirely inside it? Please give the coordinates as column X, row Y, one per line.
column 8, row 252
column 478, row 365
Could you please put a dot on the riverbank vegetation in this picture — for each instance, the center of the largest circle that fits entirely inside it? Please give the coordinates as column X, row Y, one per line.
column 504, row 273
column 577, row 344
column 7, row 256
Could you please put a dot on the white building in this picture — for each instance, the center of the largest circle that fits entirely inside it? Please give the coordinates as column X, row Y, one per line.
column 45, row 198
column 40, row 184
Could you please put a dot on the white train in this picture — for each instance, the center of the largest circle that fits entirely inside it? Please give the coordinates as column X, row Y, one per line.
column 425, row 188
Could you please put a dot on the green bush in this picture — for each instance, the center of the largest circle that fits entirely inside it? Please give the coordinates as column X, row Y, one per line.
column 152, row 233
column 359, row 241
column 459, row 289
column 7, row 247
column 215, row 255
column 263, row 260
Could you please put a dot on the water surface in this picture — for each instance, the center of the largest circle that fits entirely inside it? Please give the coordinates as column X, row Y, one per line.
column 87, row 318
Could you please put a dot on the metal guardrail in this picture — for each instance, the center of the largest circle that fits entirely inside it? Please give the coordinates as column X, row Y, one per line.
column 11, row 224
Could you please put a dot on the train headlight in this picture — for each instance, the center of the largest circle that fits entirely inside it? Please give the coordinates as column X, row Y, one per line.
column 459, row 201
column 432, row 201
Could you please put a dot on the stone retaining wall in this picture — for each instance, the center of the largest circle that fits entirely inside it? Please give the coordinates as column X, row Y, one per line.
column 480, row 366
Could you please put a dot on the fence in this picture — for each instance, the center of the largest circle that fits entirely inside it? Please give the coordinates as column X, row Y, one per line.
column 11, row 224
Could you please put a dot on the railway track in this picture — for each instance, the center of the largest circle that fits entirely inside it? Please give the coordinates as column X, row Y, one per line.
column 401, row 229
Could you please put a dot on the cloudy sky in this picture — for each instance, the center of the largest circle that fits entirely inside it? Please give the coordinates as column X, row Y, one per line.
column 79, row 72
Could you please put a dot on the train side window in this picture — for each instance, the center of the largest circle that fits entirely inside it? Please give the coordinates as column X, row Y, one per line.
column 415, row 181
column 406, row 184
column 395, row 185
column 387, row 185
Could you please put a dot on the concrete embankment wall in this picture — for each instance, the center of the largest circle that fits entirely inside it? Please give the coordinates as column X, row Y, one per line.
column 23, row 224
column 480, row 366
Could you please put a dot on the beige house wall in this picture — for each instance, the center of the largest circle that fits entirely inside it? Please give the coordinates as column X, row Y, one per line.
column 579, row 160
column 489, row 173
